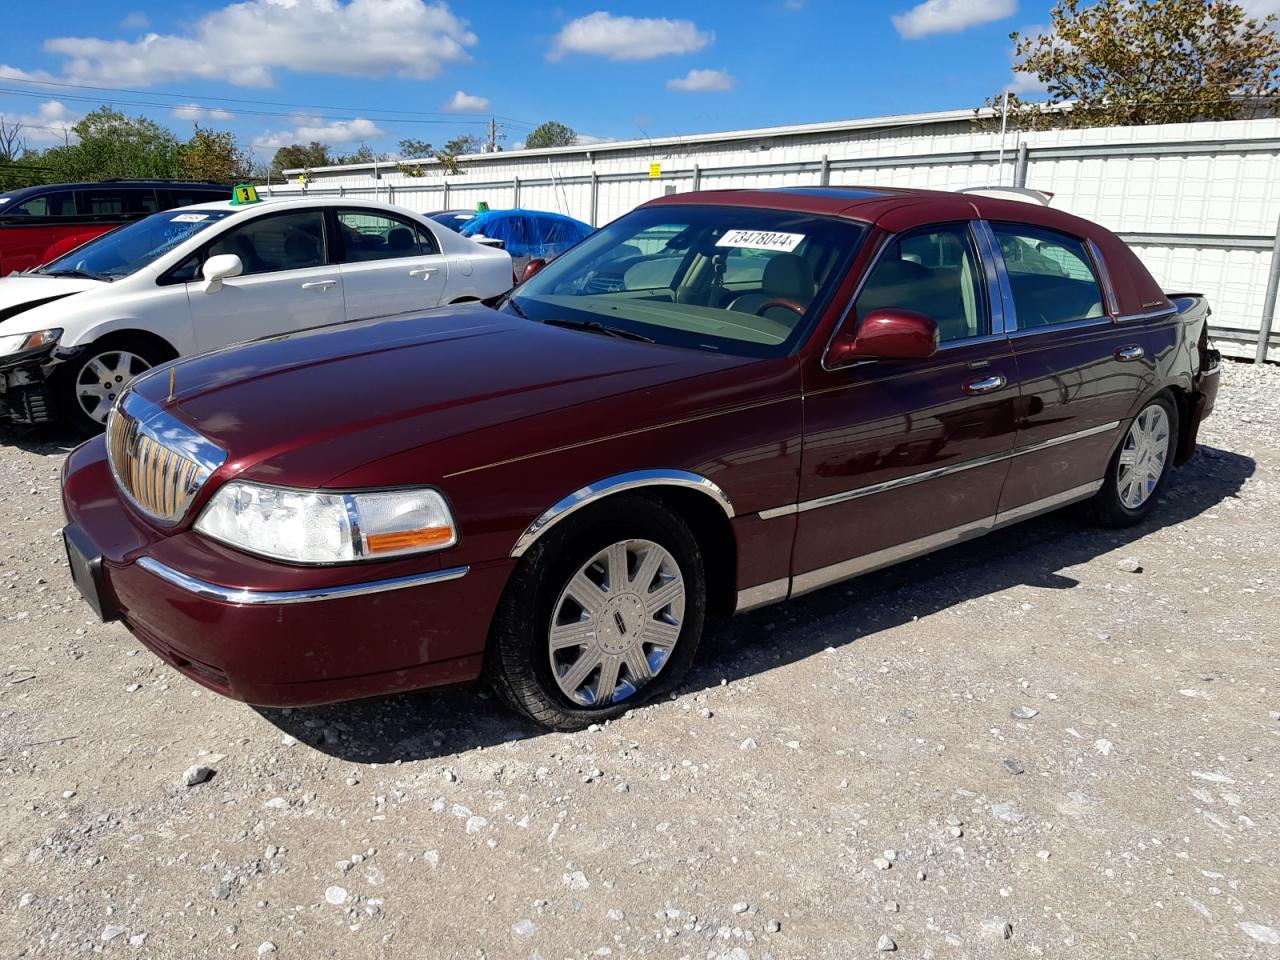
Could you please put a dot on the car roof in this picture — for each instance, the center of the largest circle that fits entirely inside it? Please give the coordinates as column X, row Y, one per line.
column 92, row 184
column 893, row 208
column 276, row 203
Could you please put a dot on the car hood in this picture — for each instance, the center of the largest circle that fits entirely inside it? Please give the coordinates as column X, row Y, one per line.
column 305, row 409
column 19, row 294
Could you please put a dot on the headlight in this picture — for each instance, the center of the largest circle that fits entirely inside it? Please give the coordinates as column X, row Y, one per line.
column 306, row 526
column 22, row 342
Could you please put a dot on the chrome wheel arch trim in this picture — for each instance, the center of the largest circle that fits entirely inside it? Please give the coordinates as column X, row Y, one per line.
column 619, row 483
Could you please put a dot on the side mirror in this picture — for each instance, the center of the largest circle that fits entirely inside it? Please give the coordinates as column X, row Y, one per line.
column 219, row 268
column 532, row 267
column 886, row 335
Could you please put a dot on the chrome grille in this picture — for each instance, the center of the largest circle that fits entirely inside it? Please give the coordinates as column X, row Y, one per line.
column 158, row 462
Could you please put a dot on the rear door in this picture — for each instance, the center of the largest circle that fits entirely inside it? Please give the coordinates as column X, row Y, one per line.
column 288, row 282
column 390, row 265
column 1080, row 368
column 905, row 456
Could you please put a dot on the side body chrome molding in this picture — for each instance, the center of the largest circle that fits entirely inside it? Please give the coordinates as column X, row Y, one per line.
column 899, row 482
column 618, row 484
column 213, row 591
column 776, row 590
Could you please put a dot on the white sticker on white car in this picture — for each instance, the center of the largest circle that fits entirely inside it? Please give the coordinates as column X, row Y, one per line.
column 761, row 240
column 189, row 218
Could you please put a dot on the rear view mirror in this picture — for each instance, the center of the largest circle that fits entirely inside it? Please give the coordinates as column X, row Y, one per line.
column 219, row 268
column 886, row 335
column 532, row 267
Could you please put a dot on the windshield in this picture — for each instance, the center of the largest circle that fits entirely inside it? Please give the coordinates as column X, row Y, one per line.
column 130, row 248
column 743, row 280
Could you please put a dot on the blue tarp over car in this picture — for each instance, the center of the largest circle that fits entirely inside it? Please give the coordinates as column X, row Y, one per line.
column 528, row 233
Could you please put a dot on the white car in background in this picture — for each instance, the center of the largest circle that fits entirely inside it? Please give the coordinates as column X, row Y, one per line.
column 74, row 331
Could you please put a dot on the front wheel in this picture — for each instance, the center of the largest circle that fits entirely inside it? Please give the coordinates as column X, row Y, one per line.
column 603, row 613
column 1139, row 467
column 89, row 385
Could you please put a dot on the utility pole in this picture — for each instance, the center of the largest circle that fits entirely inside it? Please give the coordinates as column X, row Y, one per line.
column 493, row 134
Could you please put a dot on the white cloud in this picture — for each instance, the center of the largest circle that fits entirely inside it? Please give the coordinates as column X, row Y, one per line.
column 193, row 111
column 703, row 81
column 628, row 38
column 951, row 16
column 135, row 21
column 332, row 132
column 50, row 124
column 466, row 103
column 243, row 43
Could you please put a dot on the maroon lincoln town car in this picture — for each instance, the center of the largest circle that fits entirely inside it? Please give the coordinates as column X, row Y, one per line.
column 718, row 401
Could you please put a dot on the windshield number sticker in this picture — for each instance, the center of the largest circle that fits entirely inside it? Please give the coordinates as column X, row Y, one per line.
column 190, row 218
column 761, row 240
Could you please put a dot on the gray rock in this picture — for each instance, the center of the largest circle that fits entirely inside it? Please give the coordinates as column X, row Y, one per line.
column 27, row 900
column 524, row 928
column 336, row 896
column 1012, row 765
column 221, row 892
column 773, row 926
column 266, row 947
column 137, row 940
column 1023, row 713
column 886, row 944
column 748, row 744
column 111, row 931
column 881, row 863
column 1129, row 565
column 740, row 907
column 196, row 774
column 1001, row 929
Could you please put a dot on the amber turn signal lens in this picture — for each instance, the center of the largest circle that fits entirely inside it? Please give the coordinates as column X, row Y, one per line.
column 408, row 539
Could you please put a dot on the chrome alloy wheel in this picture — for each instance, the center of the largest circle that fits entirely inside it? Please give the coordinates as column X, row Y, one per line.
column 104, row 378
column 1142, row 458
column 616, row 623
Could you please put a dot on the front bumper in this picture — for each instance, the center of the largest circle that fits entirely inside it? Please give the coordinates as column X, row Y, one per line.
column 267, row 633
column 25, row 393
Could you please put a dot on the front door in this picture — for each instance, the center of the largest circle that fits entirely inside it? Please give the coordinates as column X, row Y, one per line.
column 905, row 456
column 390, row 266
column 288, row 282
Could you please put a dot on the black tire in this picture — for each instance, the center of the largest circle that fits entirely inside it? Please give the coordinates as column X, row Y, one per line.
column 518, row 661
column 67, row 379
column 1109, row 505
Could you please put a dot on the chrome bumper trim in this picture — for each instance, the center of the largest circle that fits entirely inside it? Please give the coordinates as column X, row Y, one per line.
column 934, row 474
column 212, row 591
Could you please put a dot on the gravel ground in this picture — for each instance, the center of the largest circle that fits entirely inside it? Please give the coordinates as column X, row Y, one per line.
column 1023, row 747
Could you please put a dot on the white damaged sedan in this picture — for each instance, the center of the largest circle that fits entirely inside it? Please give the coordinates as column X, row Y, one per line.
column 74, row 331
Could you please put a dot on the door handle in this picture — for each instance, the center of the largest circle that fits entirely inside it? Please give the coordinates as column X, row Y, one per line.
column 423, row 271
column 1130, row 353
column 319, row 284
column 986, row 384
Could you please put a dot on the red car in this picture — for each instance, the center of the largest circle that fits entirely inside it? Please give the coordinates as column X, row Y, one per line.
column 38, row 224
column 719, row 401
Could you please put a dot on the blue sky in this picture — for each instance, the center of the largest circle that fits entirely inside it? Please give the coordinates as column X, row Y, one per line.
column 352, row 71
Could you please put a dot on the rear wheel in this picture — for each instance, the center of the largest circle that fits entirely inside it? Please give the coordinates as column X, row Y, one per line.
column 89, row 385
column 1140, row 466
column 603, row 613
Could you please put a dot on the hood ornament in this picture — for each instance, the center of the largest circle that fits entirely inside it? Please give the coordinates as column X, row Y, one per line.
column 173, row 382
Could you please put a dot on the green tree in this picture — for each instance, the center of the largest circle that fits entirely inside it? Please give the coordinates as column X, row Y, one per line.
column 411, row 149
column 298, row 156
column 1130, row 62
column 550, row 134
column 110, row 145
column 214, row 155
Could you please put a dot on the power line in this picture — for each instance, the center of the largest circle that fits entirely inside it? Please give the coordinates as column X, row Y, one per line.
column 188, row 97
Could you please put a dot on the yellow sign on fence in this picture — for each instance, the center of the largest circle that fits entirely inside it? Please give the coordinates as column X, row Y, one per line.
column 655, row 170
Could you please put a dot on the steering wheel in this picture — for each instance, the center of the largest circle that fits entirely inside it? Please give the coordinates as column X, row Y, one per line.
column 780, row 302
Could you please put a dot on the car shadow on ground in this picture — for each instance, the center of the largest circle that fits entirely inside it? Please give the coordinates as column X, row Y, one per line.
column 47, row 439
column 1036, row 552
